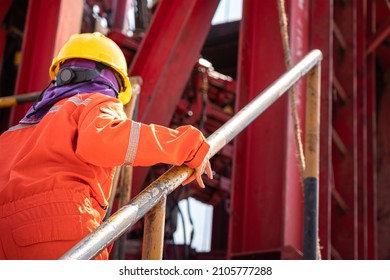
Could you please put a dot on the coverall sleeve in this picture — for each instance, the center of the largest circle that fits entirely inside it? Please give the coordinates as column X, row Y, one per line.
column 183, row 145
column 107, row 138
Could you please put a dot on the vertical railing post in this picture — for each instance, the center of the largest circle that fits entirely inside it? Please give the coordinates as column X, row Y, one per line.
column 154, row 225
column 312, row 138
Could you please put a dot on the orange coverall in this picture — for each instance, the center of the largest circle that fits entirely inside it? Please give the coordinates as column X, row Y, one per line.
column 56, row 176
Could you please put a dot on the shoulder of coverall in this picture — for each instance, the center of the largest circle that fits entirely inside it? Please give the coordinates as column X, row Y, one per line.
column 101, row 103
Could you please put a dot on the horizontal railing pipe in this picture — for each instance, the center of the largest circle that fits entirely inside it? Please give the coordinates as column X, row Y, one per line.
column 127, row 216
column 259, row 104
column 10, row 101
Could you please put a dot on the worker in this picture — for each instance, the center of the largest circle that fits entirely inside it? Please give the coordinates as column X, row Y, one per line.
column 57, row 164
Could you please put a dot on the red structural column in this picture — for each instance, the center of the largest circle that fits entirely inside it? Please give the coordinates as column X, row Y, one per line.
column 4, row 7
column 165, row 59
column 321, row 28
column 260, row 205
column 48, row 25
column 361, row 94
column 3, row 34
column 119, row 10
column 298, row 19
column 372, row 207
column 345, row 165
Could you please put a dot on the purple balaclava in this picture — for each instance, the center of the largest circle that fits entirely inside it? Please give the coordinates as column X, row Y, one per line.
column 103, row 83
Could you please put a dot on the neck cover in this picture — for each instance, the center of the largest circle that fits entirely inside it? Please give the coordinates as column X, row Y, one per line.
column 103, row 83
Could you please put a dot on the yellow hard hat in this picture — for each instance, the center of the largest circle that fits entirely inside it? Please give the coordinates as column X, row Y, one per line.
column 97, row 47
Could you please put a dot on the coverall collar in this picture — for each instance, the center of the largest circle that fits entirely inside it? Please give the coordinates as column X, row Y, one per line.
column 53, row 94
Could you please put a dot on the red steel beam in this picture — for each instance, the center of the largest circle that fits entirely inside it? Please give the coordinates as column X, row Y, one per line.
column 48, row 25
column 344, row 223
column 258, row 195
column 119, row 10
column 298, row 19
column 361, row 94
column 3, row 35
column 372, row 207
column 165, row 60
column 4, row 7
column 116, row 12
column 380, row 12
column 377, row 38
column 321, row 22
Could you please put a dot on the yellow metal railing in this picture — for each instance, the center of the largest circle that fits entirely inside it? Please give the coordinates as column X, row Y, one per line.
column 151, row 202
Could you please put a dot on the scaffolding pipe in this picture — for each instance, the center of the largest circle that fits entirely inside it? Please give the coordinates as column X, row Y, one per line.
column 312, row 139
column 154, row 226
column 127, row 216
column 10, row 101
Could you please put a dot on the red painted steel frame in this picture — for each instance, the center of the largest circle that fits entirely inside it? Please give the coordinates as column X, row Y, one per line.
column 382, row 33
column 372, row 243
column 165, row 60
column 298, row 19
column 3, row 35
column 48, row 25
column 4, row 7
column 261, row 222
column 344, row 222
column 321, row 38
column 361, row 94
column 119, row 13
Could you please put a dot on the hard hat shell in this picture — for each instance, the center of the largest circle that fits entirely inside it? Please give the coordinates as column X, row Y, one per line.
column 97, row 47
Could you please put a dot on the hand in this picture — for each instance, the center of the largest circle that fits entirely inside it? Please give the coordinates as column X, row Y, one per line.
column 199, row 171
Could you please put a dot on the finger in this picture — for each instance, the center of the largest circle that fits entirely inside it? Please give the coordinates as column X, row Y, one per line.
column 189, row 179
column 200, row 181
column 209, row 171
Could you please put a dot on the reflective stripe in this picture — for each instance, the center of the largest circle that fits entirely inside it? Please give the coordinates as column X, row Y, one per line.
column 74, row 99
column 54, row 108
column 20, row 126
column 133, row 142
column 78, row 101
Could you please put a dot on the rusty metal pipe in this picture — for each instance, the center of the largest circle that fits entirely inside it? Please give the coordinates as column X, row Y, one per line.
column 10, row 101
column 128, row 215
column 311, row 181
column 153, row 239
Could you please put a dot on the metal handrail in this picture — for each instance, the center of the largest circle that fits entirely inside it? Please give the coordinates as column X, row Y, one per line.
column 151, row 201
